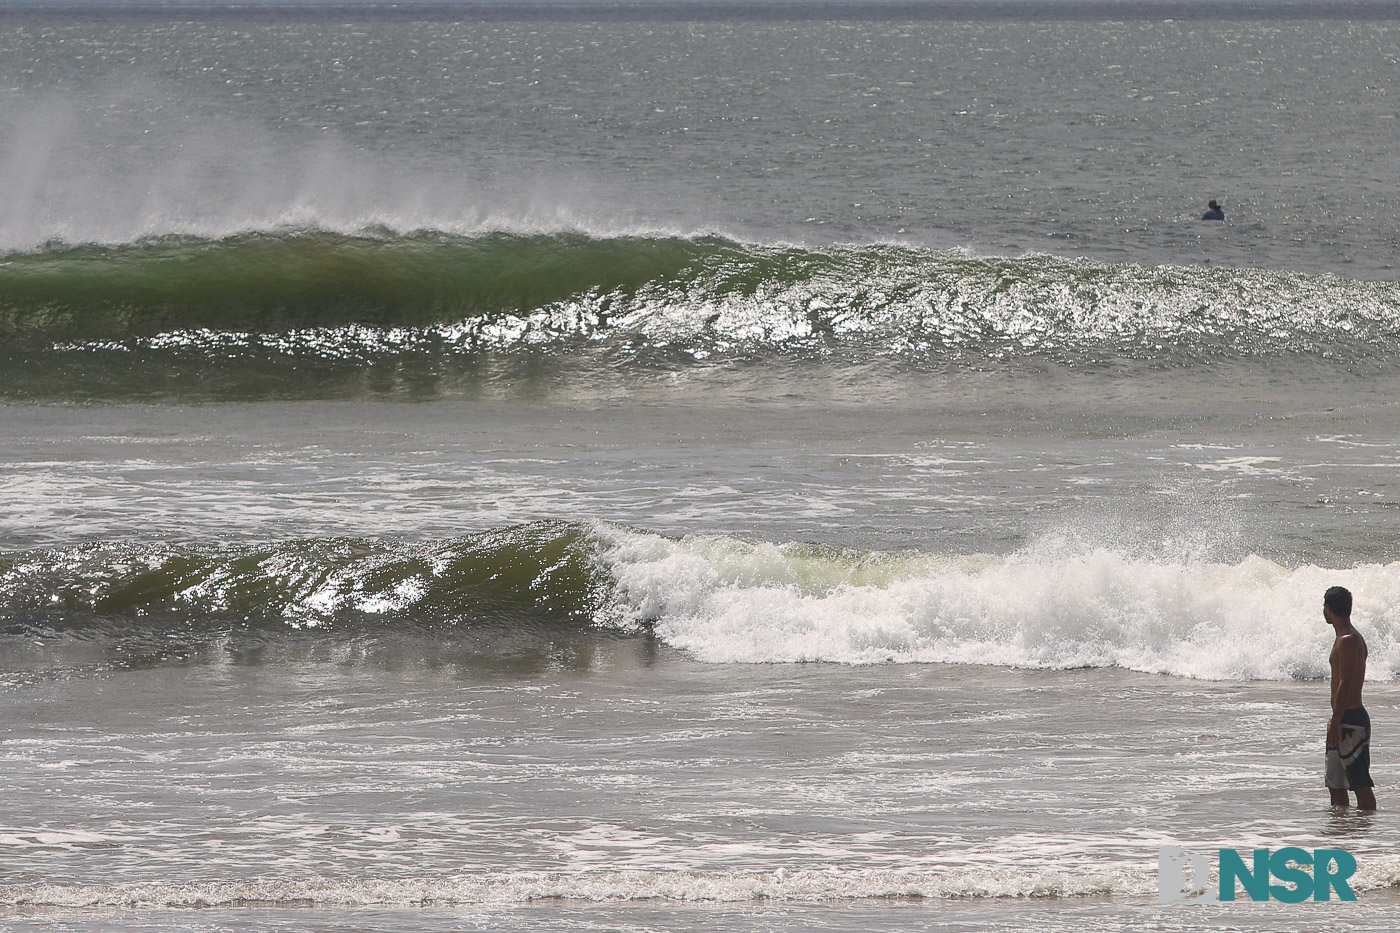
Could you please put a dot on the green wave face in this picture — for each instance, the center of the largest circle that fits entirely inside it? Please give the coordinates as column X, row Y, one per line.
column 315, row 314
column 270, row 283
column 540, row 574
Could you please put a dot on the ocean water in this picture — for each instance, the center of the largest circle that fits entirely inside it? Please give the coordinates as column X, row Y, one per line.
column 710, row 468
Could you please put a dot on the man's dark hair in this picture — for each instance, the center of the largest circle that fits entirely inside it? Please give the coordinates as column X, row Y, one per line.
column 1338, row 599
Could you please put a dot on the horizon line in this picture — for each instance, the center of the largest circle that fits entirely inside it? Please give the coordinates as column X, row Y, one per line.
column 684, row 10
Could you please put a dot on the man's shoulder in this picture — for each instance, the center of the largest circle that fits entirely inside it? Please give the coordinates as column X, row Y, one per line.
column 1351, row 641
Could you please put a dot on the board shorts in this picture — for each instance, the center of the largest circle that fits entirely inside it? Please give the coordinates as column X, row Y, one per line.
column 1349, row 762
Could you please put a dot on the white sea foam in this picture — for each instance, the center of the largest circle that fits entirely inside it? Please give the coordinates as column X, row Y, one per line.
column 502, row 889
column 727, row 600
column 803, row 885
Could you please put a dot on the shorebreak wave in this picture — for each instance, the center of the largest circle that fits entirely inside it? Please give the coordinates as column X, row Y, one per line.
column 1051, row 605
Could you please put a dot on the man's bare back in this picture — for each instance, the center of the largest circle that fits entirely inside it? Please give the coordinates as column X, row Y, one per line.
column 1348, row 662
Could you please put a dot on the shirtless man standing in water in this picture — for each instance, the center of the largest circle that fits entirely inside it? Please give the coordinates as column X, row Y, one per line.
column 1349, row 730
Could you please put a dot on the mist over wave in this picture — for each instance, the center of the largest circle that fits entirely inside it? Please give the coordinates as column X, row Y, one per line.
column 128, row 157
column 1059, row 603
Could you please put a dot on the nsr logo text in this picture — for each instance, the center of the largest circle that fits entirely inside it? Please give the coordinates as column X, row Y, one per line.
column 1184, row 875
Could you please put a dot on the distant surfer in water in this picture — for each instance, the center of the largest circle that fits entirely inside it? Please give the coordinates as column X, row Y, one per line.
column 1349, row 729
column 1215, row 213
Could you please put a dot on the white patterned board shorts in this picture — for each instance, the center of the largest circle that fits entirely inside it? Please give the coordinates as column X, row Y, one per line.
column 1349, row 762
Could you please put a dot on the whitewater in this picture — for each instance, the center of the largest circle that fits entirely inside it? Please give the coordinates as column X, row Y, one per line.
column 584, row 470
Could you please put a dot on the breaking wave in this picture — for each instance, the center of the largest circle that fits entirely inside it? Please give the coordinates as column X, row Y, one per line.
column 520, row 573
column 1051, row 605
column 290, row 312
